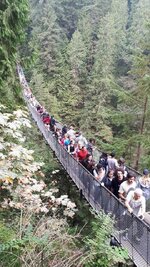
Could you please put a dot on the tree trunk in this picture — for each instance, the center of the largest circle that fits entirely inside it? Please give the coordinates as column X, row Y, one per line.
column 138, row 154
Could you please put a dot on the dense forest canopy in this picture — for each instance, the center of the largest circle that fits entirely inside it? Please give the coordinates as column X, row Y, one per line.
column 90, row 66
column 13, row 21
column 93, row 69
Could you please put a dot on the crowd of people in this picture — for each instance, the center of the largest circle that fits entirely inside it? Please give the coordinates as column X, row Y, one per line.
column 109, row 171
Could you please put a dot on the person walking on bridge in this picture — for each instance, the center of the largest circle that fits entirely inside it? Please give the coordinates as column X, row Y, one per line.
column 112, row 162
column 144, row 184
column 82, row 153
column 135, row 203
column 127, row 186
column 117, row 181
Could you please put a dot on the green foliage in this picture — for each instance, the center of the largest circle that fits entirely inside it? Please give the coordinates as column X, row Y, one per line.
column 77, row 56
column 42, row 151
column 13, row 18
column 101, row 254
column 6, row 233
column 44, row 241
column 47, row 241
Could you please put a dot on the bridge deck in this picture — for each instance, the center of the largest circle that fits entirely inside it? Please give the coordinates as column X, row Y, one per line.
column 91, row 192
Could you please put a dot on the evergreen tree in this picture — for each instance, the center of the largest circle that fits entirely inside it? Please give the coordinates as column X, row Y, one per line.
column 47, row 32
column 102, row 85
column 138, row 40
column 77, row 57
column 141, row 70
column 87, row 55
column 68, row 14
column 13, row 19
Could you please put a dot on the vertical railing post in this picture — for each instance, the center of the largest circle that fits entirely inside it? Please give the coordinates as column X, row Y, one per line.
column 132, row 216
column 81, row 194
column 148, row 247
column 118, row 221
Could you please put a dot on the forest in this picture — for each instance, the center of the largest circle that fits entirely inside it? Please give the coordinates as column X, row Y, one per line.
column 88, row 63
column 92, row 69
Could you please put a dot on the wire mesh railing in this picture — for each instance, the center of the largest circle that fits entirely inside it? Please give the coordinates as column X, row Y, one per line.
column 137, row 239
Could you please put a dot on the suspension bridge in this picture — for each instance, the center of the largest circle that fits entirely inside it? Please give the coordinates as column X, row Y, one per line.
column 99, row 197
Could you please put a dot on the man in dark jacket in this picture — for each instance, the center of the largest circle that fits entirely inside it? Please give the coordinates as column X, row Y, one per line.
column 116, row 182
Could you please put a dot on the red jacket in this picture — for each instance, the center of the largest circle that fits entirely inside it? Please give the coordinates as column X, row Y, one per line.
column 82, row 154
column 46, row 120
